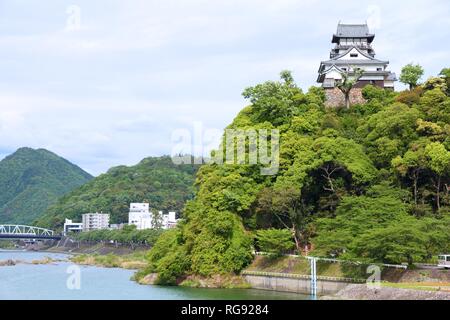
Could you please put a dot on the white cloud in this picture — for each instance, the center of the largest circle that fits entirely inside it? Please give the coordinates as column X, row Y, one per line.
column 112, row 91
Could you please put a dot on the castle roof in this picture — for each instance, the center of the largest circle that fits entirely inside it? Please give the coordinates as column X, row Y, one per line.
column 355, row 62
column 339, row 61
column 352, row 31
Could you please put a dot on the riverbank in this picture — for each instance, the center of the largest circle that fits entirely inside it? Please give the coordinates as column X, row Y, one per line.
column 273, row 274
column 133, row 261
column 103, row 254
column 347, row 281
column 386, row 292
column 14, row 262
column 99, row 254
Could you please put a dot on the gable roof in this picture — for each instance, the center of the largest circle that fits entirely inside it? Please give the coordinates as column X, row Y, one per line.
column 353, row 31
column 355, row 61
column 350, row 49
column 371, row 60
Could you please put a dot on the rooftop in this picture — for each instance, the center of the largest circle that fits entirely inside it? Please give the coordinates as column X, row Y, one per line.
column 355, row 62
column 352, row 31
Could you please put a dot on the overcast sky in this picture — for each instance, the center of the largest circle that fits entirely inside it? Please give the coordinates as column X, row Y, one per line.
column 106, row 82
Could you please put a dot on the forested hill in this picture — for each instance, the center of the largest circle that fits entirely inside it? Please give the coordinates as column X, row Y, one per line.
column 32, row 180
column 165, row 185
column 369, row 183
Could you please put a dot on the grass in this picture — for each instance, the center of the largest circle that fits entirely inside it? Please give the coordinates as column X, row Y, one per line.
column 134, row 261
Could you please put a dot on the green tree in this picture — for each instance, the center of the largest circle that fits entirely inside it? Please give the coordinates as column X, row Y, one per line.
column 354, row 217
column 445, row 73
column 284, row 208
column 275, row 102
column 411, row 75
column 399, row 243
column 412, row 165
column 439, row 162
column 275, row 241
column 349, row 80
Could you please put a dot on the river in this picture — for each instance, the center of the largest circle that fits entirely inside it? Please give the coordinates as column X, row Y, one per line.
column 55, row 281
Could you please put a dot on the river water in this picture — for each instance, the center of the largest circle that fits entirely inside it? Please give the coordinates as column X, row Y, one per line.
column 65, row 281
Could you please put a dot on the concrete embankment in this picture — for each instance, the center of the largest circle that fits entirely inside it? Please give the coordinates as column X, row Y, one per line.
column 295, row 282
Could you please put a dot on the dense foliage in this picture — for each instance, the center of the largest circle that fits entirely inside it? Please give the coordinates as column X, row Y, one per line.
column 165, row 185
column 127, row 235
column 370, row 183
column 275, row 242
column 32, row 180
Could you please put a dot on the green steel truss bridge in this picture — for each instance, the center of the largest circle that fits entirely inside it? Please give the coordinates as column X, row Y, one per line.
column 21, row 232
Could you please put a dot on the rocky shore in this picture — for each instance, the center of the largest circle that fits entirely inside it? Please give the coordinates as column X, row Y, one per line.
column 11, row 262
column 362, row 292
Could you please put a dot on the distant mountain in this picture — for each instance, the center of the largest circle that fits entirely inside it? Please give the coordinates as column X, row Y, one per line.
column 32, row 180
column 158, row 181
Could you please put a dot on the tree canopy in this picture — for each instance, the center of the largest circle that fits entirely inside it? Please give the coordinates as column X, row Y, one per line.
column 369, row 183
column 411, row 74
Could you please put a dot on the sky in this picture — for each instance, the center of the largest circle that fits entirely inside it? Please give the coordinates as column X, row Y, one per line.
column 108, row 82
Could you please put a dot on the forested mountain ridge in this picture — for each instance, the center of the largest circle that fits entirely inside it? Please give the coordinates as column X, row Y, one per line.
column 165, row 185
column 369, row 183
column 32, row 180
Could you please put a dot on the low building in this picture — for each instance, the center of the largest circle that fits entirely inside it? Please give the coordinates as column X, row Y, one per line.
column 95, row 221
column 170, row 220
column 70, row 226
column 117, row 226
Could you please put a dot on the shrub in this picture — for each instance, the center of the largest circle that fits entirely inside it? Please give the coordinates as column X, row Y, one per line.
column 410, row 97
column 275, row 241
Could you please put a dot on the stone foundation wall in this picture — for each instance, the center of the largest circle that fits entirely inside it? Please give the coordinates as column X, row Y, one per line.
column 335, row 98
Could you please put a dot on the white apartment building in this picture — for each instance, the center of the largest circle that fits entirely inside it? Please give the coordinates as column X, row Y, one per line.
column 95, row 221
column 142, row 218
column 70, row 226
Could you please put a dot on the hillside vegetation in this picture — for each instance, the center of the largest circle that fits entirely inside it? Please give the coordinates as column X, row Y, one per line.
column 370, row 183
column 32, row 180
column 159, row 181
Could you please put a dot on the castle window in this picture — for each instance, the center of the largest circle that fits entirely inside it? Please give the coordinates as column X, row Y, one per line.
column 353, row 55
column 379, row 69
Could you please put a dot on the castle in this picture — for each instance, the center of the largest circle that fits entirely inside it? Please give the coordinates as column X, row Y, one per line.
column 353, row 50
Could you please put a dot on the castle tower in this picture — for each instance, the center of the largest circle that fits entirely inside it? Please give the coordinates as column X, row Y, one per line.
column 353, row 49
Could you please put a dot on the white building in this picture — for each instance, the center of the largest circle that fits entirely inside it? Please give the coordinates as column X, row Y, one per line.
column 169, row 220
column 354, row 50
column 95, row 221
column 70, row 226
column 117, row 226
column 142, row 218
